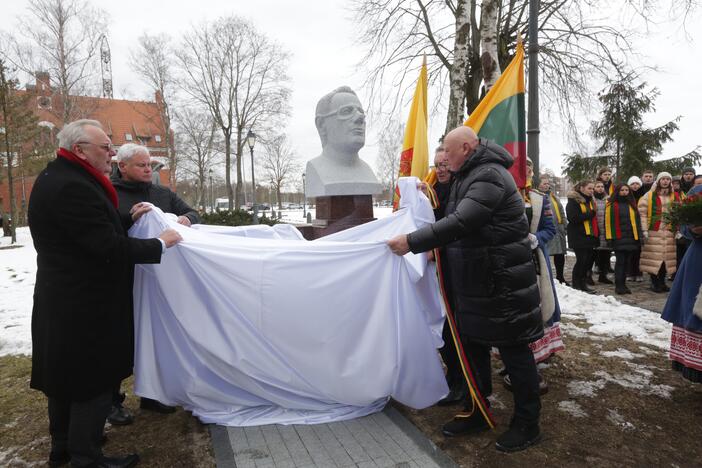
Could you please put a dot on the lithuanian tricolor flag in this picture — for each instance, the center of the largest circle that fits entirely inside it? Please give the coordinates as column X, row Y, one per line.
column 500, row 115
column 414, row 160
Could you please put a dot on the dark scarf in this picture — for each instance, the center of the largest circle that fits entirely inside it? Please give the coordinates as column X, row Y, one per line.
column 600, row 196
column 101, row 179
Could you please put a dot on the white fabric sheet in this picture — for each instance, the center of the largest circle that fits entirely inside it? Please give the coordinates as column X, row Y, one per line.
column 255, row 325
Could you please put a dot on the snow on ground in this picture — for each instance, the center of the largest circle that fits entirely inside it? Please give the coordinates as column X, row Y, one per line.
column 572, row 408
column 18, row 269
column 610, row 318
column 605, row 315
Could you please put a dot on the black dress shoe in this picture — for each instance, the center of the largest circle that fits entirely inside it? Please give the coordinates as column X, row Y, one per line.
column 604, row 280
column 518, row 437
column 120, row 416
column 456, row 395
column 57, row 459
column 117, row 462
column 469, row 424
column 156, row 406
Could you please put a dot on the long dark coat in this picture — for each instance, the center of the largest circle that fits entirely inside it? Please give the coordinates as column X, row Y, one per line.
column 489, row 255
column 82, row 341
column 578, row 238
column 131, row 193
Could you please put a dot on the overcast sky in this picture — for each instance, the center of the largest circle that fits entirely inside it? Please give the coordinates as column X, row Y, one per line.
column 320, row 35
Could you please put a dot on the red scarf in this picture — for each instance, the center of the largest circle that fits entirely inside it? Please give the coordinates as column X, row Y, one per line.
column 102, row 180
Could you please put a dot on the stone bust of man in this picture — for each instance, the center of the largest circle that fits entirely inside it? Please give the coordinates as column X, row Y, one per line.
column 341, row 124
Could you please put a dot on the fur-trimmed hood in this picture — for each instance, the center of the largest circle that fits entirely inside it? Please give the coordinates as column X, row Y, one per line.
column 577, row 196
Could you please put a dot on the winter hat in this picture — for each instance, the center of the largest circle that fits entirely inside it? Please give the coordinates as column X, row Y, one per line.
column 634, row 180
column 689, row 169
column 664, row 174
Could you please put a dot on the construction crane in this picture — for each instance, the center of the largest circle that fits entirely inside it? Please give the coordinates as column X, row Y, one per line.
column 106, row 67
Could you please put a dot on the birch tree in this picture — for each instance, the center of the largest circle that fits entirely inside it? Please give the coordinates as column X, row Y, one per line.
column 578, row 45
column 240, row 76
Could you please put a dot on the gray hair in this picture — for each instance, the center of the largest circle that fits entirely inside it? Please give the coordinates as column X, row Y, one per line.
column 128, row 151
column 74, row 132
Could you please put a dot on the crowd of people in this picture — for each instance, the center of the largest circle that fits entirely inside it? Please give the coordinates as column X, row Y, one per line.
column 494, row 242
column 626, row 219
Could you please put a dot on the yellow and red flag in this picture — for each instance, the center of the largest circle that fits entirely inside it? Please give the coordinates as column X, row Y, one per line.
column 414, row 160
column 500, row 116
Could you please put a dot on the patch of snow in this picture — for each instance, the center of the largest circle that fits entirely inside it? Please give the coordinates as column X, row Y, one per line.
column 618, row 420
column 18, row 268
column 495, row 402
column 622, row 353
column 572, row 408
column 583, row 353
column 610, row 318
column 586, row 388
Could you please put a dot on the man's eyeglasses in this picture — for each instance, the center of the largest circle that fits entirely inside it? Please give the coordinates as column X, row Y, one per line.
column 443, row 166
column 105, row 146
column 345, row 112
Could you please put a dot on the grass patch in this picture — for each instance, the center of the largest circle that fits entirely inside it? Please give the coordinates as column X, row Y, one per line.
column 169, row 440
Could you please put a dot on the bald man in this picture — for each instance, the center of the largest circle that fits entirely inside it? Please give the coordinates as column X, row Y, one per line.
column 496, row 298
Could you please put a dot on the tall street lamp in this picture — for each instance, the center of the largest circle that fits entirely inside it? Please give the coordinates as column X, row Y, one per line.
column 304, row 198
column 251, row 141
column 211, row 193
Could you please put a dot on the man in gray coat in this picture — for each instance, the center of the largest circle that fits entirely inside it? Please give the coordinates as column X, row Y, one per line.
column 495, row 294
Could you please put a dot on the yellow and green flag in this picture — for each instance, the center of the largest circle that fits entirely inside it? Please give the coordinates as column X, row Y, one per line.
column 500, row 116
column 414, row 160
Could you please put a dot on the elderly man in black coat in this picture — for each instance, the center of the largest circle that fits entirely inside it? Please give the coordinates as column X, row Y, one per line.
column 495, row 294
column 81, row 322
column 134, row 186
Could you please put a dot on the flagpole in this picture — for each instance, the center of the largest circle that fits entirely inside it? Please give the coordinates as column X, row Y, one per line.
column 533, row 111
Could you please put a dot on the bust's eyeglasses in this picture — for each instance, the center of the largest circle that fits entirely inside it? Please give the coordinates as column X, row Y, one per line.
column 345, row 112
column 105, row 147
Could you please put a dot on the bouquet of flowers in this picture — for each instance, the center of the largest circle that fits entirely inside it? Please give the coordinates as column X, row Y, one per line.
column 689, row 211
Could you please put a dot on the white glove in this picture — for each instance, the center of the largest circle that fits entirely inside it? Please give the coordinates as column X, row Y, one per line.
column 534, row 241
column 678, row 235
column 645, row 236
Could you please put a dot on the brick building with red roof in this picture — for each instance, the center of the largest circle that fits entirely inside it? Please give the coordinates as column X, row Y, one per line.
column 124, row 122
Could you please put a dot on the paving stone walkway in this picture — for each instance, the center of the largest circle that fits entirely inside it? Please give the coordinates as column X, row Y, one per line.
column 383, row 439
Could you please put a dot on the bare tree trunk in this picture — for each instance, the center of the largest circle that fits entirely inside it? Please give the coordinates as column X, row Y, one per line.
column 457, row 74
column 488, row 43
column 239, row 185
column 227, row 163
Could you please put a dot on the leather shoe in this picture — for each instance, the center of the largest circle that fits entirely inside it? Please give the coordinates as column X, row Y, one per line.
column 117, row 462
column 518, row 437
column 457, row 394
column 57, row 459
column 120, row 416
column 156, row 406
column 468, row 424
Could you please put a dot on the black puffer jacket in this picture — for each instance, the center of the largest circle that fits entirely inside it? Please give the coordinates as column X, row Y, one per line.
column 485, row 233
column 626, row 241
column 130, row 193
column 577, row 237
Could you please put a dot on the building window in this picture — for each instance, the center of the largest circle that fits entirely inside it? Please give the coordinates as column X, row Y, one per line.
column 43, row 102
column 128, row 136
column 157, row 138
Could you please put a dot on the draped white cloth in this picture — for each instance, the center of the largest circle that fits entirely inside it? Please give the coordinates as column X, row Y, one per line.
column 255, row 325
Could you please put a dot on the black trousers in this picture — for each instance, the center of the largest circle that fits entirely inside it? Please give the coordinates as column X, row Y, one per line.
column 559, row 263
column 521, row 367
column 603, row 261
column 634, row 269
column 583, row 263
column 621, row 267
column 454, row 374
column 680, row 249
column 76, row 427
